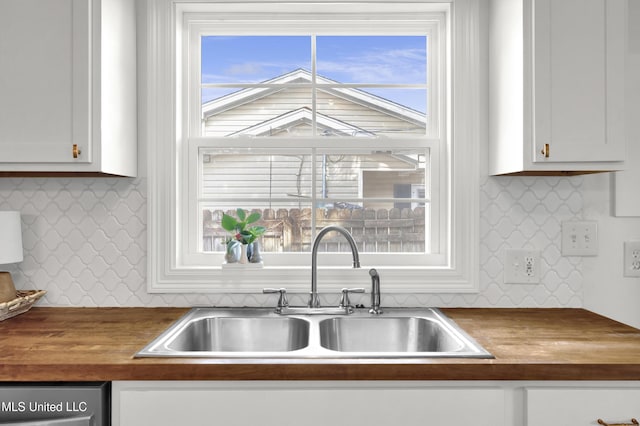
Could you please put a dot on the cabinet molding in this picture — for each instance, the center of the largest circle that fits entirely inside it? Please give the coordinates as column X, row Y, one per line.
column 626, row 203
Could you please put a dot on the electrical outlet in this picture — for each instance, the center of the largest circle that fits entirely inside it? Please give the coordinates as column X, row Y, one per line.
column 522, row 266
column 632, row 258
column 579, row 238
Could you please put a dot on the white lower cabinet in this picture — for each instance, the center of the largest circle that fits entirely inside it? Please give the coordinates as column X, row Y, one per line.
column 376, row 403
column 581, row 406
column 305, row 403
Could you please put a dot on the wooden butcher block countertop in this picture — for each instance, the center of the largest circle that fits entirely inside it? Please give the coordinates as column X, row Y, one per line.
column 86, row 344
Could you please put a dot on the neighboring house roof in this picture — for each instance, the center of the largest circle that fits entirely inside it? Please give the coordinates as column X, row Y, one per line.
column 326, row 123
column 303, row 116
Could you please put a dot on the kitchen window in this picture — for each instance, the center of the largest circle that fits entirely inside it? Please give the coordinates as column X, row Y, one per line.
column 312, row 114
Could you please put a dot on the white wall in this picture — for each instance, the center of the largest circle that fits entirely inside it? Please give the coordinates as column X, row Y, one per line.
column 607, row 290
column 85, row 239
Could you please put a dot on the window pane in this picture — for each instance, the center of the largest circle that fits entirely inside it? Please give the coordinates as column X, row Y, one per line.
column 413, row 99
column 369, row 112
column 243, row 175
column 380, row 197
column 373, row 59
column 375, row 230
column 288, row 227
column 269, row 111
column 384, row 176
column 212, row 93
column 252, row 59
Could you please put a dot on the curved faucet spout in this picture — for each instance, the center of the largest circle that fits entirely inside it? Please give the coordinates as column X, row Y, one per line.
column 314, row 300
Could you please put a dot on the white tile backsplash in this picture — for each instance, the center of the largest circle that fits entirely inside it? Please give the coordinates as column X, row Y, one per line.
column 85, row 243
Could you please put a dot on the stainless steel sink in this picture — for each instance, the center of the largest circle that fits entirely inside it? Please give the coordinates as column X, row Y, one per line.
column 383, row 334
column 223, row 334
column 262, row 334
column 211, row 332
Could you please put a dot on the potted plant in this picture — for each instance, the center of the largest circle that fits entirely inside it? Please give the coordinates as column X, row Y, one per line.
column 243, row 233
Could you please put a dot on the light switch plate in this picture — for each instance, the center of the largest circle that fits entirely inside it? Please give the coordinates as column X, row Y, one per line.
column 522, row 266
column 632, row 258
column 579, row 238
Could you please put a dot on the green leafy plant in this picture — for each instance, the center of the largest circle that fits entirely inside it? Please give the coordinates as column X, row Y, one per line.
column 239, row 227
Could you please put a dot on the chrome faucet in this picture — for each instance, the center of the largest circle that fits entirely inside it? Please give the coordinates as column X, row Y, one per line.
column 314, row 300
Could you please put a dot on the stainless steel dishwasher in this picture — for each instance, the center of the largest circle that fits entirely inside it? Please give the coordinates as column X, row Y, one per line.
column 55, row 404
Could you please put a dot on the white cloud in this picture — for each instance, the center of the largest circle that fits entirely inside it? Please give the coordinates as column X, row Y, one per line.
column 398, row 66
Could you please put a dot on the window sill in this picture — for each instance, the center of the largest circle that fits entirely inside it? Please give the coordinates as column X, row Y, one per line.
column 298, row 280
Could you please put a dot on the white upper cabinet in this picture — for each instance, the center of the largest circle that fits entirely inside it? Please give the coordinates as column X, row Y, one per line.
column 557, row 80
column 68, row 87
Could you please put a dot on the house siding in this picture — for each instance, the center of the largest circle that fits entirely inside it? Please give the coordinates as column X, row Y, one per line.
column 276, row 177
column 263, row 109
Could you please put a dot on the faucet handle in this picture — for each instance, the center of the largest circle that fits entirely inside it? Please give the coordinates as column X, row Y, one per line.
column 282, row 299
column 375, row 292
column 344, row 299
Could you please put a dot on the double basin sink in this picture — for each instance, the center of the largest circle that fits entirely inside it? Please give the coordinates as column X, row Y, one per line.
column 263, row 334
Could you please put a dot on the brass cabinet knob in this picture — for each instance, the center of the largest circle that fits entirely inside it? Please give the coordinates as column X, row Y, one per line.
column 545, row 150
column 75, row 151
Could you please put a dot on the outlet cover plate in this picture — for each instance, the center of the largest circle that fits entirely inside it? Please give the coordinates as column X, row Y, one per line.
column 580, row 238
column 632, row 258
column 522, row 266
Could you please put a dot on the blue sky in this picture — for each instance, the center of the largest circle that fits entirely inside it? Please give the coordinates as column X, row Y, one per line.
column 347, row 59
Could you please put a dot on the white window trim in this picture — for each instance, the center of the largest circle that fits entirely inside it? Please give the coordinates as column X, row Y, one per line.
column 165, row 275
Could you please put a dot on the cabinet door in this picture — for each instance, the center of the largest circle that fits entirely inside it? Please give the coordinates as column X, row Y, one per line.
column 578, row 93
column 201, row 404
column 578, row 407
column 44, row 80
